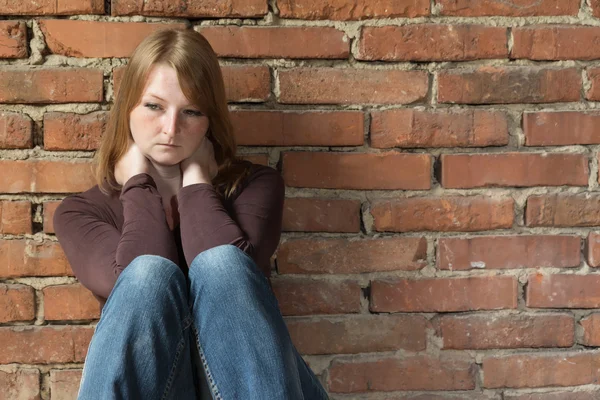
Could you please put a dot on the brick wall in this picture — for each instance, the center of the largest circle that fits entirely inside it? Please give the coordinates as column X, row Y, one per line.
column 441, row 159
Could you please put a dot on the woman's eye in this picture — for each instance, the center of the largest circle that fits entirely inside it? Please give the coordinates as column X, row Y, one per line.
column 194, row 113
column 152, row 106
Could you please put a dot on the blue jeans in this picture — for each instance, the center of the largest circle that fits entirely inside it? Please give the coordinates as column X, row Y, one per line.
column 142, row 347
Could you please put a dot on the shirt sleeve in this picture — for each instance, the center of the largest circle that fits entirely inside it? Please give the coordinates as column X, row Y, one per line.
column 253, row 222
column 97, row 251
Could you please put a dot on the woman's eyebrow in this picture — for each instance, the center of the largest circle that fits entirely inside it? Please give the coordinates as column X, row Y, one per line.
column 161, row 99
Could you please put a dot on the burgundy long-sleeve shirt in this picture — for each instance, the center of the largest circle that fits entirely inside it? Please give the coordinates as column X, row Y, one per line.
column 102, row 234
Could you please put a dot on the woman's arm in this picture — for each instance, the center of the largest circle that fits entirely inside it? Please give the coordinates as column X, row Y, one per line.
column 253, row 224
column 96, row 250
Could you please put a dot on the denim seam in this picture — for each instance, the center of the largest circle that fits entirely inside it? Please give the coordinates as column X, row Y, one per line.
column 180, row 347
column 213, row 386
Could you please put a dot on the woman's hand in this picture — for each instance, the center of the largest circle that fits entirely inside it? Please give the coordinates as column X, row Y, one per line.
column 201, row 166
column 133, row 162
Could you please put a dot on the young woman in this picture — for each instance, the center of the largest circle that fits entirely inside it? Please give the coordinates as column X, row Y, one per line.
column 176, row 239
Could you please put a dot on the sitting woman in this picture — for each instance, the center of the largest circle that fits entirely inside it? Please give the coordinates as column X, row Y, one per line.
column 176, row 238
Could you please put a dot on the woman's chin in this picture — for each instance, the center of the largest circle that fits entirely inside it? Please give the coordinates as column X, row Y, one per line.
column 166, row 160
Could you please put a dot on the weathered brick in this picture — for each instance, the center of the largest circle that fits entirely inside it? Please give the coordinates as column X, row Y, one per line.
column 49, row 210
column 246, row 83
column 451, row 294
column 305, row 214
column 595, row 7
column 189, row 9
column 563, row 209
column 593, row 249
column 16, row 131
column 277, row 42
column 465, row 171
column 593, row 75
column 432, row 42
column 524, row 8
column 561, row 128
column 51, row 85
column 466, row 214
column 506, row 332
column 411, row 373
column 13, row 39
column 565, row 395
column 352, row 86
column 416, row 128
column 51, row 7
column 497, row 85
column 17, row 303
column 591, row 330
column 277, row 128
column 508, row 252
column 357, row 171
column 346, row 10
column 358, row 334
column 23, row 257
column 15, row 217
column 563, row 291
column 44, row 344
column 556, row 42
column 303, row 296
column 64, row 383
column 66, row 302
column 45, row 176
column 342, row 256
column 68, row 131
column 540, row 370
column 76, row 38
column 20, row 384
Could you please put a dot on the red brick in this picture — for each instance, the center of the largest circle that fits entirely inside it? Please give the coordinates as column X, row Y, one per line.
column 342, row 256
column 49, row 210
column 358, row 334
column 541, row 370
column 411, row 373
column 594, row 77
column 352, row 86
column 246, row 83
column 561, row 128
column 262, row 159
column 75, row 38
column 23, row 257
column 22, row 384
column 432, row 42
column 497, row 85
column 15, row 217
column 450, row 214
column 303, row 296
column 593, row 249
column 16, row 131
column 507, row 332
column 17, row 303
column 51, row 85
column 305, row 214
column 523, row 8
column 563, row 291
column 508, row 252
column 357, row 171
column 568, row 395
column 52, row 7
column 13, row 39
column 595, row 4
column 277, row 42
column 277, row 128
column 591, row 330
column 44, row 345
column 416, row 128
column 564, row 209
column 67, row 302
column 465, row 171
column 64, row 383
column 451, row 294
column 45, row 176
column 117, row 73
column 68, row 131
column 556, row 42
column 346, row 10
column 179, row 8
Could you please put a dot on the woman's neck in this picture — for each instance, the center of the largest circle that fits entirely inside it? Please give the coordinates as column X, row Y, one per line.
column 168, row 179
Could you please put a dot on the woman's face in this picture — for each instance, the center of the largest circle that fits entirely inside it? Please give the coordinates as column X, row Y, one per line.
column 164, row 124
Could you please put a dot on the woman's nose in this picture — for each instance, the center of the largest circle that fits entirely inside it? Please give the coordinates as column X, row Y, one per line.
column 171, row 122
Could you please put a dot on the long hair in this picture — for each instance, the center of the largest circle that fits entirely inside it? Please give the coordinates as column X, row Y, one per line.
column 201, row 81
